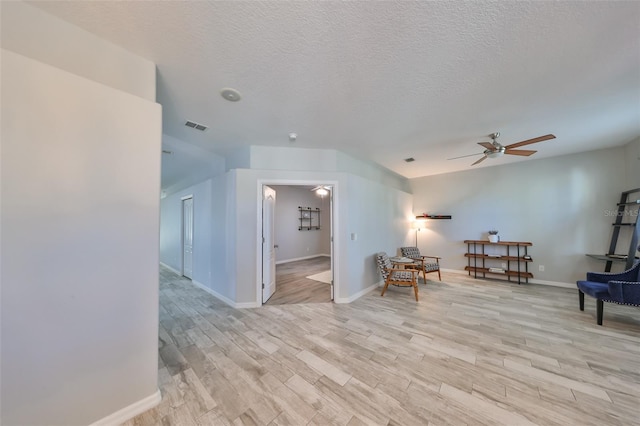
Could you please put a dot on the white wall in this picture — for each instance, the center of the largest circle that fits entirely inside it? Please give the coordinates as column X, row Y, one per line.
column 377, row 213
column 293, row 243
column 209, row 234
column 559, row 204
column 34, row 33
column 371, row 171
column 79, row 265
column 632, row 155
column 380, row 217
column 171, row 230
column 290, row 158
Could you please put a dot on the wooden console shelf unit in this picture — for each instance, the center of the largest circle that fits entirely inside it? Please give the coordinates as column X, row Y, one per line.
column 514, row 253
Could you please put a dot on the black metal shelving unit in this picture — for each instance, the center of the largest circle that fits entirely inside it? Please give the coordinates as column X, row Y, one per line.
column 309, row 218
column 627, row 217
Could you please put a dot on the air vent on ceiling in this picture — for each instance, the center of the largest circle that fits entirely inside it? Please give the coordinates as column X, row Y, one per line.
column 409, row 160
column 196, row 126
column 166, row 151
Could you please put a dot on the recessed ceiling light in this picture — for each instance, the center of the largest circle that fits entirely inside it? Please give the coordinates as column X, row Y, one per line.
column 232, row 95
column 293, row 137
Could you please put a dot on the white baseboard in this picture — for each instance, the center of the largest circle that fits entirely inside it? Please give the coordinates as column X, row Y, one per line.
column 225, row 299
column 358, row 294
column 552, row 283
column 130, row 411
column 531, row 280
column 214, row 293
column 170, row 268
column 246, row 305
column 302, row 258
column 454, row 271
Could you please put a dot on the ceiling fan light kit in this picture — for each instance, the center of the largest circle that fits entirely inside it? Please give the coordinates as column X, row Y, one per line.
column 495, row 149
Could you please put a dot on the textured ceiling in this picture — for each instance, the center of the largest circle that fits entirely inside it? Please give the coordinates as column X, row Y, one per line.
column 386, row 80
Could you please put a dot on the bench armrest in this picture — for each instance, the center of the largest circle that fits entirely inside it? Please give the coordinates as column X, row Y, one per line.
column 625, row 292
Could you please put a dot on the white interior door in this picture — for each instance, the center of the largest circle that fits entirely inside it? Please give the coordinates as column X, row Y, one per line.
column 187, row 237
column 333, row 273
column 268, row 249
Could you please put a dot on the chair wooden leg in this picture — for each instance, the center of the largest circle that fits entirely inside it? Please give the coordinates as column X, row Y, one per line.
column 386, row 284
column 415, row 289
column 600, row 308
column 581, row 298
column 424, row 276
column 439, row 277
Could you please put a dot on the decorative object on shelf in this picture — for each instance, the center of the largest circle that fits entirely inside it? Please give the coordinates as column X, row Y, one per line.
column 493, row 236
column 309, row 218
column 481, row 263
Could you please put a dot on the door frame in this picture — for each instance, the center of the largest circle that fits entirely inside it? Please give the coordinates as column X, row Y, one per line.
column 335, row 227
column 182, row 199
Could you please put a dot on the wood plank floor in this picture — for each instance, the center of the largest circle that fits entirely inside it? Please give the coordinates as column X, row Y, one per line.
column 471, row 352
column 292, row 286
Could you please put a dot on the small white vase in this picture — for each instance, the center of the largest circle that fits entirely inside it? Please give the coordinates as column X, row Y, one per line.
column 494, row 238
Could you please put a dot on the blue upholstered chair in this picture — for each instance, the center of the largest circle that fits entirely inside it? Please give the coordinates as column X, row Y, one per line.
column 421, row 262
column 396, row 275
column 622, row 288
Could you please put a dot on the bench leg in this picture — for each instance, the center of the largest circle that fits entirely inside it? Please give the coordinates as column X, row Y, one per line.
column 600, row 308
column 386, row 284
column 581, row 298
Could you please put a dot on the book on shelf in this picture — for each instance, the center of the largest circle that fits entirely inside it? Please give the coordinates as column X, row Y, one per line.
column 497, row 270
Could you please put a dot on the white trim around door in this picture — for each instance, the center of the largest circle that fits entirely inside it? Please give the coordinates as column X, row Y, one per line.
column 335, row 228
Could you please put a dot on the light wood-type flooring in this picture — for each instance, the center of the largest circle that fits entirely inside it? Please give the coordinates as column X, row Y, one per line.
column 471, row 352
column 292, row 286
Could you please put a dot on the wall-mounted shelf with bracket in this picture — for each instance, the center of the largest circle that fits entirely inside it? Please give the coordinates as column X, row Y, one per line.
column 309, row 218
column 433, row 216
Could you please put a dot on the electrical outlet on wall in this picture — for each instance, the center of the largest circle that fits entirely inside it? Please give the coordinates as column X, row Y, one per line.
column 541, row 268
column 504, row 265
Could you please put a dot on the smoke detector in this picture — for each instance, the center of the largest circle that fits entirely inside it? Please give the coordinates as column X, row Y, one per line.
column 232, row 95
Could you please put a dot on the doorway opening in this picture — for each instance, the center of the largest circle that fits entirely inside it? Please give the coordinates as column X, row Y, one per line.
column 296, row 250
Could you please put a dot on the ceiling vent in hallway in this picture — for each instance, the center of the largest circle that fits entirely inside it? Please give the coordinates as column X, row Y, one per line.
column 409, row 160
column 196, row 126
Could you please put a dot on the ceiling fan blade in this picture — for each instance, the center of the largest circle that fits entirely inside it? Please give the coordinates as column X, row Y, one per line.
column 463, row 156
column 487, row 145
column 480, row 160
column 523, row 152
column 530, row 141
